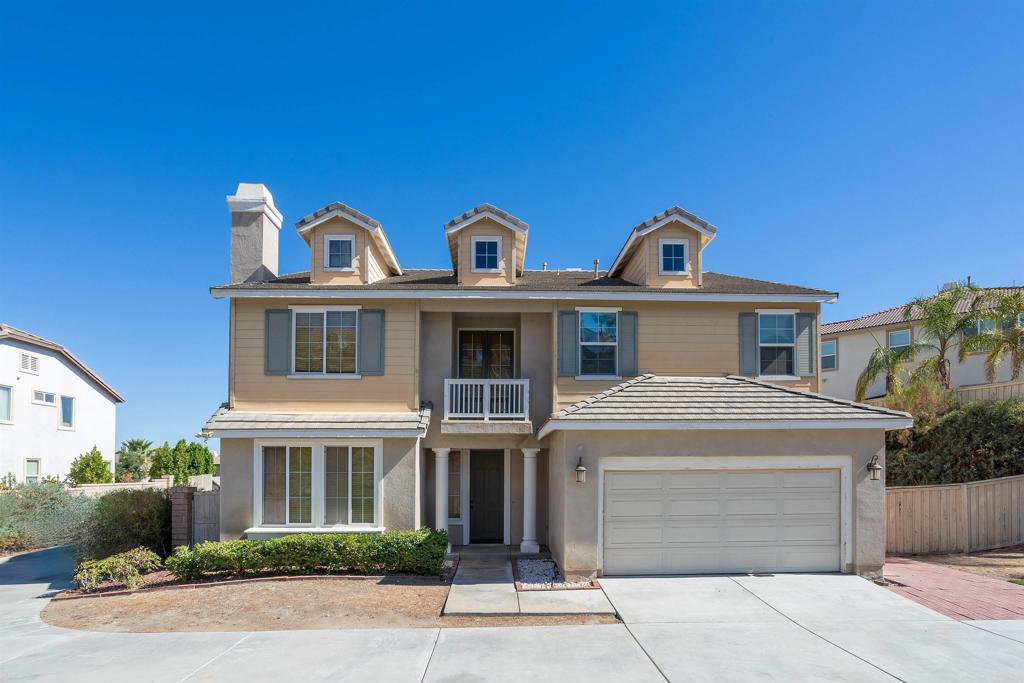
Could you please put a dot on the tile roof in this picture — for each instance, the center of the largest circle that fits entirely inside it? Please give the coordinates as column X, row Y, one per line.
column 674, row 211
column 412, row 424
column 486, row 208
column 894, row 315
column 341, row 208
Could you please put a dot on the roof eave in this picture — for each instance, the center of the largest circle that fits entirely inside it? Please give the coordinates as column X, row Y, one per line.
column 675, row 425
column 639, row 232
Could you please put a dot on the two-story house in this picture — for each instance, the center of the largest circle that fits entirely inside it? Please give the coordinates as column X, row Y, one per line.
column 654, row 418
column 53, row 408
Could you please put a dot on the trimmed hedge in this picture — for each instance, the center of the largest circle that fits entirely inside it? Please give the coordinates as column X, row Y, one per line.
column 414, row 552
column 124, row 568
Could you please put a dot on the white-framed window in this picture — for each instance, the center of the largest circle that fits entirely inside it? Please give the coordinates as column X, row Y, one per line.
column 899, row 339
column 987, row 326
column 6, row 404
column 598, row 342
column 673, row 256
column 44, row 398
column 454, row 485
column 486, row 254
column 67, row 412
column 339, row 251
column 330, row 484
column 776, row 332
column 33, row 470
column 325, row 341
column 1010, row 323
column 29, row 363
column 829, row 354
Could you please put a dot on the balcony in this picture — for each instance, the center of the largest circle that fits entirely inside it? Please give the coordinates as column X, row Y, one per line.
column 485, row 406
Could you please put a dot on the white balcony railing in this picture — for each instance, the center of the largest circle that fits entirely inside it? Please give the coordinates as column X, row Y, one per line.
column 487, row 399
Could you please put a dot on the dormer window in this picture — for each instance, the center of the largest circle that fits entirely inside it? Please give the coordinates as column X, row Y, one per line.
column 338, row 250
column 673, row 256
column 486, row 254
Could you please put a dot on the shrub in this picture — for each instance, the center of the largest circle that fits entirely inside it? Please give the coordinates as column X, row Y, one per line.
column 123, row 520
column 415, row 552
column 89, row 468
column 41, row 515
column 181, row 462
column 124, row 568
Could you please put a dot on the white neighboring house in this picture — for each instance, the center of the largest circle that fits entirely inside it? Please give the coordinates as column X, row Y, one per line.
column 52, row 408
column 847, row 345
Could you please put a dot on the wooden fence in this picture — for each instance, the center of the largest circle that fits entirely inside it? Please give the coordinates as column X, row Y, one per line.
column 988, row 392
column 979, row 515
column 205, row 516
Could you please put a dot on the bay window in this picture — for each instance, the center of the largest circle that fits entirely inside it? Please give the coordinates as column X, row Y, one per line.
column 776, row 344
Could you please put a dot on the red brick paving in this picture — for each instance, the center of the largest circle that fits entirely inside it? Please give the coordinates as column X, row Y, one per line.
column 957, row 594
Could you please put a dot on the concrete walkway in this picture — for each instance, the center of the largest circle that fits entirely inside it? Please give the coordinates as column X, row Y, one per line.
column 955, row 593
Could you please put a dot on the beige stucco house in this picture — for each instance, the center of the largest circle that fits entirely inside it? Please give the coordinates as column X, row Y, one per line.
column 654, row 418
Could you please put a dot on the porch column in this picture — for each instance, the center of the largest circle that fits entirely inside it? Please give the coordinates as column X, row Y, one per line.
column 441, row 488
column 529, row 544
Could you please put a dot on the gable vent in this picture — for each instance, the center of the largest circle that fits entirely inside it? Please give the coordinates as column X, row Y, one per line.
column 29, row 363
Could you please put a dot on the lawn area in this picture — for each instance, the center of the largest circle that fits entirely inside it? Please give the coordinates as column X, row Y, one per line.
column 1002, row 563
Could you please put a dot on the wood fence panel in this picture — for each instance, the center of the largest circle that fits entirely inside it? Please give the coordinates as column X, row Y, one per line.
column 989, row 392
column 206, row 516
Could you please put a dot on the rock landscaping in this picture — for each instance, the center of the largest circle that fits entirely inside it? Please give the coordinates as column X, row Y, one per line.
column 544, row 574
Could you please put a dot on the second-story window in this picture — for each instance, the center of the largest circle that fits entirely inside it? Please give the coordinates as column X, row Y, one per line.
column 599, row 342
column 899, row 339
column 6, row 400
column 777, row 344
column 67, row 412
column 325, row 342
column 486, row 253
column 338, row 250
column 828, row 354
column 673, row 257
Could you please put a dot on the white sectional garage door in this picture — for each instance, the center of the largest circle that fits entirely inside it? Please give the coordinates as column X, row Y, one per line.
column 721, row 521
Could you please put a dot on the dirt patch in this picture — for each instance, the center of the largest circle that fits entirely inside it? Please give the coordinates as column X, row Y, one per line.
column 1004, row 563
column 313, row 603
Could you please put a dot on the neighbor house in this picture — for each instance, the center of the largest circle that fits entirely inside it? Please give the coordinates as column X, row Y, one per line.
column 53, row 408
column 847, row 345
column 654, row 418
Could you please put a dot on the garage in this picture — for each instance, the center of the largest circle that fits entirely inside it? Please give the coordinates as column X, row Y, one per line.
column 721, row 521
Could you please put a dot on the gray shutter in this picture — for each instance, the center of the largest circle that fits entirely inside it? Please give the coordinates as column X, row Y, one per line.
column 277, row 342
column 748, row 344
column 568, row 343
column 628, row 344
column 371, row 342
column 805, row 352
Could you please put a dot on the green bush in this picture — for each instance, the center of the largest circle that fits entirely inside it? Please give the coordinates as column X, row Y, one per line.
column 181, row 462
column 41, row 515
column 124, row 568
column 89, row 468
column 414, row 552
column 123, row 520
column 983, row 440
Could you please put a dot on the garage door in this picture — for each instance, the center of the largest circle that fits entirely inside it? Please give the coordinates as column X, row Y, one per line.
column 721, row 521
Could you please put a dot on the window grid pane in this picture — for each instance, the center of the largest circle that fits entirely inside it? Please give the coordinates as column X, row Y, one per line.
column 673, row 258
column 300, row 485
column 309, row 342
column 362, row 485
column 777, row 329
column 341, row 342
column 777, row 360
column 339, row 254
column 336, row 485
column 273, row 484
column 486, row 255
column 455, row 485
column 828, row 355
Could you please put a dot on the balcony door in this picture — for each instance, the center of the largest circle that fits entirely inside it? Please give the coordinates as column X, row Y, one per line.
column 486, row 354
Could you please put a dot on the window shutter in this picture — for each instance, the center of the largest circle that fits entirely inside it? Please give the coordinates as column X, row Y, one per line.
column 748, row 344
column 628, row 344
column 568, row 343
column 277, row 342
column 371, row 342
column 805, row 352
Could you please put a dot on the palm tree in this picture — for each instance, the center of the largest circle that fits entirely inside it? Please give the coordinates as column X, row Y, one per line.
column 132, row 459
column 1006, row 340
column 890, row 362
column 942, row 320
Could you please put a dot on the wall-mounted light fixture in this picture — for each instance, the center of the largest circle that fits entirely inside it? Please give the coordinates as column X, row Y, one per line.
column 581, row 471
column 874, row 469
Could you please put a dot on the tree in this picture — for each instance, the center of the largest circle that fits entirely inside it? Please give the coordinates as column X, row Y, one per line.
column 133, row 460
column 90, row 468
column 1007, row 340
column 941, row 320
column 181, row 462
column 889, row 362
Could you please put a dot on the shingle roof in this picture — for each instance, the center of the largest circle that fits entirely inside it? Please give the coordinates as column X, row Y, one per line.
column 894, row 315
column 8, row 332
column 652, row 399
column 225, row 421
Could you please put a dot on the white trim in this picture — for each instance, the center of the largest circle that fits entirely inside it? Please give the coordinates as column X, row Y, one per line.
column 27, row 369
column 39, row 469
column 671, row 241
column 463, row 518
column 580, row 343
column 324, row 375
column 476, row 239
column 10, row 398
column 486, row 214
column 259, row 533
column 507, row 503
column 52, row 404
column 314, row 433
column 844, row 463
column 74, row 414
column 778, row 312
column 300, row 308
column 603, row 378
column 834, row 354
column 598, row 309
column 644, row 425
column 238, row 204
column 777, row 378
column 351, row 239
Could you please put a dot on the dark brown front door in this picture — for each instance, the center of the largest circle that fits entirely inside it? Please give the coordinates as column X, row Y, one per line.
column 486, row 496
column 486, row 354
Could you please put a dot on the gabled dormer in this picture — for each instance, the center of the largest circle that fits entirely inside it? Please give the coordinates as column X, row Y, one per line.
column 665, row 251
column 346, row 247
column 487, row 246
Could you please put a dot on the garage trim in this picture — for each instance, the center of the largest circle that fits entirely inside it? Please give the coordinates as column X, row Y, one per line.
column 843, row 463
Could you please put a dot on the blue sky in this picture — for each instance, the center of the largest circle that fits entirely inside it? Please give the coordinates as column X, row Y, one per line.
column 871, row 148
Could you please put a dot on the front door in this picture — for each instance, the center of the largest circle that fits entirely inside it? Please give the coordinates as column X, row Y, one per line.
column 486, row 354
column 486, row 496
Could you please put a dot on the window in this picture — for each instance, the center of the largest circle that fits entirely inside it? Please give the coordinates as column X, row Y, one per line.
column 828, row 354
column 486, row 254
column 45, row 398
column 67, row 412
column 325, row 341
column 980, row 327
column 673, row 256
column 32, row 471
column 336, row 466
column 29, row 363
column 1010, row 323
column 599, row 340
column 6, row 396
column 899, row 339
column 287, row 484
column 338, row 250
column 777, row 344
column 350, row 485
column 454, row 485
column 362, row 485
column 300, row 485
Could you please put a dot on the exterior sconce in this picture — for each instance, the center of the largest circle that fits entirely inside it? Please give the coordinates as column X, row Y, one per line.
column 874, row 469
column 581, row 472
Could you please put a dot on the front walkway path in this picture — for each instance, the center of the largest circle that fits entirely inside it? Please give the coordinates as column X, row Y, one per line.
column 957, row 594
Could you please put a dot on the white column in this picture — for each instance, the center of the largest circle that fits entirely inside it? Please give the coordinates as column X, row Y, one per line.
column 529, row 544
column 441, row 489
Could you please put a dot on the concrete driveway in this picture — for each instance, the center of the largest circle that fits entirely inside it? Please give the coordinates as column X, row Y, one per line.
column 831, row 628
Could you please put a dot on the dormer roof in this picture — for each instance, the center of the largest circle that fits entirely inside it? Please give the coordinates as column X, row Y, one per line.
column 673, row 214
column 519, row 227
column 338, row 210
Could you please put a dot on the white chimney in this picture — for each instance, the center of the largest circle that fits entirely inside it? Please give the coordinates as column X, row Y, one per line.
column 255, row 228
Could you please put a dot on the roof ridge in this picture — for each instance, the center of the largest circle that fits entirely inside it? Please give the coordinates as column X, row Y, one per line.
column 830, row 399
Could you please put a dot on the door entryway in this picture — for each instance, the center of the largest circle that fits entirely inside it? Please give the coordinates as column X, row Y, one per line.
column 486, row 496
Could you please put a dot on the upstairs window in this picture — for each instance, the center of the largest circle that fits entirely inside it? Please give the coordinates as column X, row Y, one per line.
column 6, row 396
column 599, row 342
column 899, row 339
column 45, row 398
column 67, row 412
column 338, row 250
column 325, row 342
column 486, row 254
column 828, row 354
column 29, row 363
column 980, row 327
column 673, row 256
column 777, row 344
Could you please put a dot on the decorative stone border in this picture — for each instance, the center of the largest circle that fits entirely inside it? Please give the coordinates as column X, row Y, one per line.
column 594, row 583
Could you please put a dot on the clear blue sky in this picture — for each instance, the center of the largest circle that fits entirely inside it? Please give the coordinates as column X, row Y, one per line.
column 871, row 148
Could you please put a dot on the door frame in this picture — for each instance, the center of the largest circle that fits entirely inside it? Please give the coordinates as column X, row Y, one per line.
column 843, row 463
column 465, row 454
column 458, row 349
